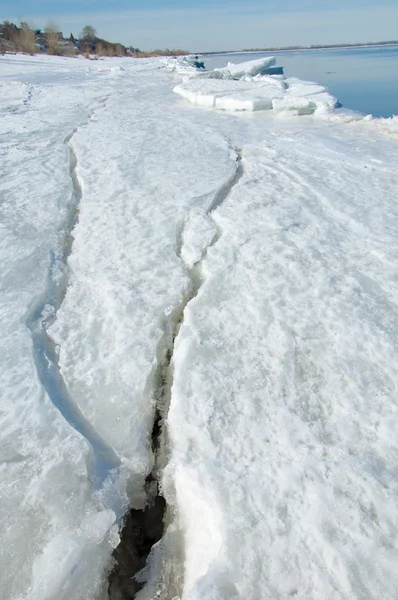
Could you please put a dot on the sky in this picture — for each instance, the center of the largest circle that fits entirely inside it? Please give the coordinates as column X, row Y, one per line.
column 207, row 25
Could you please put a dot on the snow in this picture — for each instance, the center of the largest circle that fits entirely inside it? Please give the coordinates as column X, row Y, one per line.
column 260, row 253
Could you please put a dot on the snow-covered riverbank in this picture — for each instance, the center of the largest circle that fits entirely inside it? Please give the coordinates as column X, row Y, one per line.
column 234, row 273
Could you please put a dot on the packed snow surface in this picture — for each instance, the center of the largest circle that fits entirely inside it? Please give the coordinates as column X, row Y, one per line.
column 258, row 256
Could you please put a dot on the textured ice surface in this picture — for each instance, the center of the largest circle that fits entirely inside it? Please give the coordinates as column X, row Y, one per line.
column 283, row 411
column 184, row 65
column 198, row 233
column 282, row 455
column 256, row 93
column 46, row 494
column 139, row 185
column 251, row 67
column 229, row 95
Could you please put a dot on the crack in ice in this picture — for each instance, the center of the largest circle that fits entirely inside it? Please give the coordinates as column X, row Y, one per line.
column 144, row 528
column 45, row 351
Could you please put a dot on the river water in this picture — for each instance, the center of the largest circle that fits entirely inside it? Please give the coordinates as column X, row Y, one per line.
column 363, row 79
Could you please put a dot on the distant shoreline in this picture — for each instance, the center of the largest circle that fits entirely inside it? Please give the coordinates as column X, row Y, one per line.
column 295, row 48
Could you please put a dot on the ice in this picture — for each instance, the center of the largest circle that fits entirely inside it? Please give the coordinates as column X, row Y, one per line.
column 252, row 95
column 387, row 126
column 189, row 65
column 138, row 184
column 12, row 95
column 47, row 491
column 251, row 67
column 198, row 233
column 253, row 92
column 255, row 255
column 97, row 525
column 305, row 97
column 283, row 405
column 229, row 95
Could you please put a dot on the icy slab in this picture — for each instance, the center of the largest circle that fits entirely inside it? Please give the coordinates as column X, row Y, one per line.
column 115, row 328
column 53, row 523
column 283, row 411
column 305, row 97
column 57, row 528
column 229, row 95
column 257, row 93
column 251, row 67
column 185, row 65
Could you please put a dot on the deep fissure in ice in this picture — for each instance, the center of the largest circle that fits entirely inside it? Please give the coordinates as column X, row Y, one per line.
column 144, row 528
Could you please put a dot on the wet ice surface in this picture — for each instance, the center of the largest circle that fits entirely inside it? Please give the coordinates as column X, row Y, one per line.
column 280, row 449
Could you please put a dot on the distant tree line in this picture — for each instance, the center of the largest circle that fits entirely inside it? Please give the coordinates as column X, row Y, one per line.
column 25, row 38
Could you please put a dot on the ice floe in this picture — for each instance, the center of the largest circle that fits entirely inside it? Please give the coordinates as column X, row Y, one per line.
column 248, row 87
column 185, row 65
column 251, row 67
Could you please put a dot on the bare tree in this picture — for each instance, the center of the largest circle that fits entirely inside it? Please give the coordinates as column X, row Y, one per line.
column 99, row 49
column 52, row 38
column 26, row 38
column 119, row 51
column 9, row 30
column 88, row 34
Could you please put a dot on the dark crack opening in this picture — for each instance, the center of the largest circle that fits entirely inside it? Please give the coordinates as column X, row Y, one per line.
column 142, row 528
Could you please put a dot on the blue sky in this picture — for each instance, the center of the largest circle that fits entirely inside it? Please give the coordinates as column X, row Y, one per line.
column 218, row 25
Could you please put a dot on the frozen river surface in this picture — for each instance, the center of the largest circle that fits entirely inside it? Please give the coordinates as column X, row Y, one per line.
column 209, row 297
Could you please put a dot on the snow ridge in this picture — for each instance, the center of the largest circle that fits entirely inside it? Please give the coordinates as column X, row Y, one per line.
column 46, row 353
